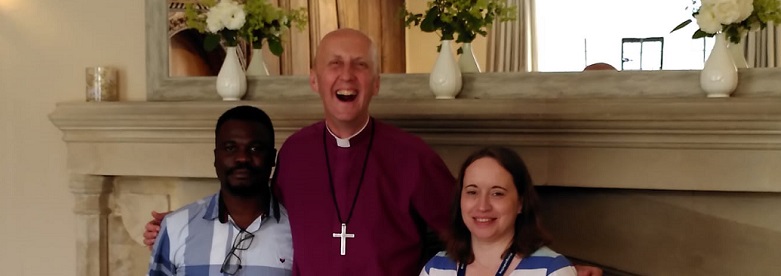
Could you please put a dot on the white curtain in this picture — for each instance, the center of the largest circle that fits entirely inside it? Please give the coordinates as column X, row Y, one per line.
column 763, row 48
column 511, row 45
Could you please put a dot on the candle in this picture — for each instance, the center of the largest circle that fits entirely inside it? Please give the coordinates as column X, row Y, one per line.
column 101, row 84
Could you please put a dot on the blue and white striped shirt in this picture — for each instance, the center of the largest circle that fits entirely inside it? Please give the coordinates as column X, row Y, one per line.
column 193, row 241
column 542, row 262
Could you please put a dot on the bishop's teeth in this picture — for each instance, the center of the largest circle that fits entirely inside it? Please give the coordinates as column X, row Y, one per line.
column 346, row 95
column 345, row 92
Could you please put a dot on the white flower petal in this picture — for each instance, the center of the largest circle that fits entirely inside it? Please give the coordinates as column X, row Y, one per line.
column 707, row 21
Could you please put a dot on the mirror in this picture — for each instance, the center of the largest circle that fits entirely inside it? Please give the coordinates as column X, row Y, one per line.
column 400, row 47
column 162, row 86
column 379, row 19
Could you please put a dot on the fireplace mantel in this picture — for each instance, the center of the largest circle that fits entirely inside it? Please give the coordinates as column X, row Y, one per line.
column 128, row 158
column 606, row 143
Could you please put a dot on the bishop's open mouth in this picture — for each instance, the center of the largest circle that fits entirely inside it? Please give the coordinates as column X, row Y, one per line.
column 346, row 95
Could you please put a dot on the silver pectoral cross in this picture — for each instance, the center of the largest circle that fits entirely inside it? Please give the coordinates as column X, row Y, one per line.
column 343, row 235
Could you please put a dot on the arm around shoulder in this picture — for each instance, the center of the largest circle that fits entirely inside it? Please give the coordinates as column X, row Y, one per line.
column 161, row 263
column 433, row 195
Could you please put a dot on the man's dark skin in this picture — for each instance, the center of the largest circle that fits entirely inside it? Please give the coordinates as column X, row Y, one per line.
column 243, row 158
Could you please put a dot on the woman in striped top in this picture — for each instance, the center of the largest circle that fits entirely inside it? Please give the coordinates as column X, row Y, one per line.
column 495, row 229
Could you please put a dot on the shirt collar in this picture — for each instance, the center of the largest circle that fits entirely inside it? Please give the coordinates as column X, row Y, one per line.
column 345, row 142
column 212, row 210
column 216, row 205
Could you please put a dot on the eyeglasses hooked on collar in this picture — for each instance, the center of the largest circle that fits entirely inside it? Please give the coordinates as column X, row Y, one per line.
column 232, row 263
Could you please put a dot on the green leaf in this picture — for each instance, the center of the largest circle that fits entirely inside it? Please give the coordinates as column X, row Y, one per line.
column 683, row 24
column 427, row 25
column 446, row 35
column 459, row 51
column 700, row 34
column 230, row 37
column 733, row 33
column 413, row 19
column 275, row 45
column 211, row 41
column 464, row 19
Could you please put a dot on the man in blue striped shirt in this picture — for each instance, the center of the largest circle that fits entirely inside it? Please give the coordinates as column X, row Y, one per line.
column 240, row 230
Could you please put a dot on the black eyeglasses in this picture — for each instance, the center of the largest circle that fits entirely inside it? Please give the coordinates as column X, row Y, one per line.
column 242, row 242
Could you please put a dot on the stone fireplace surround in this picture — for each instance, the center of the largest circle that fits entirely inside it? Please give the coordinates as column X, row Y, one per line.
column 653, row 186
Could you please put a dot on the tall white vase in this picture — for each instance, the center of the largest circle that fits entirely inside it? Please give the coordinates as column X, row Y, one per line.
column 719, row 77
column 445, row 78
column 231, row 81
column 257, row 66
column 738, row 53
column 467, row 61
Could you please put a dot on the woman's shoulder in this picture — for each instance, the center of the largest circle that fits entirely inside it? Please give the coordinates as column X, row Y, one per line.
column 438, row 264
column 546, row 258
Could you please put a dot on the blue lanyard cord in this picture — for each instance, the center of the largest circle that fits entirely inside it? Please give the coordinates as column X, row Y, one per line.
column 502, row 268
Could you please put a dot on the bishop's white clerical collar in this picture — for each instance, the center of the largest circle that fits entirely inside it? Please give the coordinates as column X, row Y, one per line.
column 345, row 142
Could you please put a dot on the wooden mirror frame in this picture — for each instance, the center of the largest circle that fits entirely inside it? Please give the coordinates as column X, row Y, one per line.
column 162, row 87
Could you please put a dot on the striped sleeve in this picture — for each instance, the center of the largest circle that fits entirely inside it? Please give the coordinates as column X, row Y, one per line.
column 553, row 263
column 564, row 271
column 160, row 263
column 560, row 266
column 440, row 264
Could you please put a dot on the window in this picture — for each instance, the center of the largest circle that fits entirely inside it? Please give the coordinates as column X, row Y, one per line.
column 642, row 53
column 572, row 34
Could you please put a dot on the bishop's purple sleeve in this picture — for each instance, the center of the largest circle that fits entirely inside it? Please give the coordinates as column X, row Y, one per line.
column 433, row 195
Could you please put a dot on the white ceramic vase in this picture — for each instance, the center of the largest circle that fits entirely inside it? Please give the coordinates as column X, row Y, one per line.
column 445, row 78
column 737, row 52
column 719, row 77
column 467, row 61
column 257, row 66
column 231, row 81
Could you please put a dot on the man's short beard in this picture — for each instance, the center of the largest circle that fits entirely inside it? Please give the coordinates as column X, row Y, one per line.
column 245, row 191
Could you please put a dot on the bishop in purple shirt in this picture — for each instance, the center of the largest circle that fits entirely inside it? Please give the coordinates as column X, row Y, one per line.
column 360, row 193
column 382, row 186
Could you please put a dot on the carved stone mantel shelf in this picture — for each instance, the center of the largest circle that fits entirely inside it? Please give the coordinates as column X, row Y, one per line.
column 634, row 143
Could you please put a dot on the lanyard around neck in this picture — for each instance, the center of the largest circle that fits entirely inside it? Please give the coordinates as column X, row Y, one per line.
column 360, row 181
column 502, row 268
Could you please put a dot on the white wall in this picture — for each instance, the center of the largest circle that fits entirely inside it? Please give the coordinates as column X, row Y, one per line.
column 44, row 47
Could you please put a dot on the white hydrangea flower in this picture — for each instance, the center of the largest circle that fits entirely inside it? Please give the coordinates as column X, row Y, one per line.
column 746, row 8
column 707, row 21
column 226, row 14
column 235, row 17
column 730, row 11
column 214, row 20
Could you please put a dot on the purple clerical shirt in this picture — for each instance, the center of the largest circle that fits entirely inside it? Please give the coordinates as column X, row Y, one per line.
column 405, row 183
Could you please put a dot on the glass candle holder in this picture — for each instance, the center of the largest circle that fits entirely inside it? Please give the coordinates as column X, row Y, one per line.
column 101, row 84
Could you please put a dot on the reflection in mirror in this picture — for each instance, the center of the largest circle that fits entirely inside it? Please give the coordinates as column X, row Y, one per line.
column 402, row 50
column 379, row 19
column 538, row 41
column 187, row 55
column 675, row 83
column 633, row 35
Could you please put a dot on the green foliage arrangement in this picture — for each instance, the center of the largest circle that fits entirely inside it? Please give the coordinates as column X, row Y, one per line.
column 461, row 20
column 732, row 17
column 251, row 20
